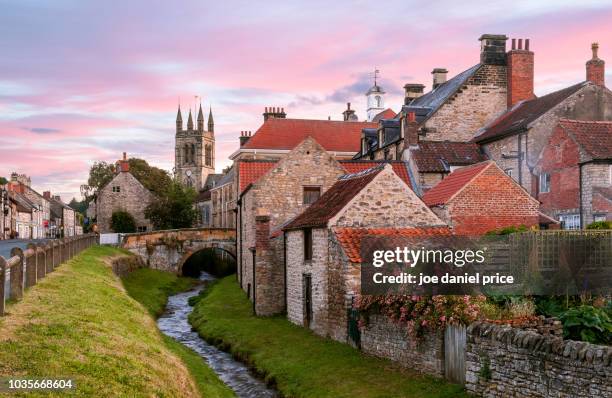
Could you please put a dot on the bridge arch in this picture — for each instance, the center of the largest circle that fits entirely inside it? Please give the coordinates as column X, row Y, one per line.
column 185, row 265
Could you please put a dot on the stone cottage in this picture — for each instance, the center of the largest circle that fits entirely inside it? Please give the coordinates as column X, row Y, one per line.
column 124, row 192
column 575, row 173
column 515, row 139
column 479, row 198
column 63, row 219
column 322, row 277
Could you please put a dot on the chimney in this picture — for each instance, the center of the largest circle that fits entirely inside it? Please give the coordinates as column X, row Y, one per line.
column 493, row 49
column 349, row 114
column 123, row 166
column 439, row 76
column 262, row 232
column 595, row 68
column 274, row 113
column 57, row 197
column 412, row 91
column 47, row 195
column 245, row 136
column 520, row 72
column 411, row 131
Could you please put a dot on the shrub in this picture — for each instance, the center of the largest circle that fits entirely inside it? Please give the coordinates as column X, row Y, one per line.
column 600, row 225
column 587, row 323
column 123, row 222
column 508, row 230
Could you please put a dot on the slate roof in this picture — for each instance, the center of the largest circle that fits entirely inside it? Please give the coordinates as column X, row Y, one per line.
column 437, row 156
column 56, row 207
column 399, row 167
column 334, row 136
column 350, row 238
column 24, row 205
column 595, row 138
column 444, row 191
column 211, row 180
column 250, row 171
column 386, row 114
column 226, row 178
column 334, row 199
column 522, row 114
column 428, row 103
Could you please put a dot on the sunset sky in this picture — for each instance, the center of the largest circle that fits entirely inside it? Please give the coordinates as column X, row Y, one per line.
column 82, row 81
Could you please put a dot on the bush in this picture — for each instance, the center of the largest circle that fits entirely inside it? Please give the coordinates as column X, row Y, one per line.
column 508, row 230
column 123, row 222
column 587, row 323
column 600, row 225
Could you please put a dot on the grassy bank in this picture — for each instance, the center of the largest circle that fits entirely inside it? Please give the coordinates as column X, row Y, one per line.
column 301, row 363
column 151, row 288
column 79, row 322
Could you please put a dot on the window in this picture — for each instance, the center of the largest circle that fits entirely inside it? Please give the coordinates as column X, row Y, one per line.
column 116, row 188
column 544, row 182
column 599, row 217
column 570, row 221
column 142, row 228
column 311, row 194
column 208, row 155
column 509, row 172
column 378, row 101
column 307, row 244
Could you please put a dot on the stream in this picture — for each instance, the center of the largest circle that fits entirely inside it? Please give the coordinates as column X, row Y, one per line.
column 234, row 374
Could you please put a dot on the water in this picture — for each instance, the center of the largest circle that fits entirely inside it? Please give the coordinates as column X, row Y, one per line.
column 235, row 374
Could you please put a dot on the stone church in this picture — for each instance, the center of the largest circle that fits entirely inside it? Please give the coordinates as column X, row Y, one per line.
column 194, row 156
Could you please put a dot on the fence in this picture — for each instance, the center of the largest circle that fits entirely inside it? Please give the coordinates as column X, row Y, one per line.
column 26, row 267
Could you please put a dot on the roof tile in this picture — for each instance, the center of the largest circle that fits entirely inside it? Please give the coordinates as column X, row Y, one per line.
column 595, row 138
column 431, row 155
column 252, row 170
column 448, row 187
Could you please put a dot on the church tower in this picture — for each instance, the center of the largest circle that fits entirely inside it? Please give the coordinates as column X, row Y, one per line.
column 376, row 99
column 194, row 150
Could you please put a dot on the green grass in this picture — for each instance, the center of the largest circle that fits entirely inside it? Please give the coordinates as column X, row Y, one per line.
column 299, row 362
column 79, row 322
column 151, row 288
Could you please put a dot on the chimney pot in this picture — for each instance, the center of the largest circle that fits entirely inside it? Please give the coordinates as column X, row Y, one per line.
column 527, row 44
column 514, row 44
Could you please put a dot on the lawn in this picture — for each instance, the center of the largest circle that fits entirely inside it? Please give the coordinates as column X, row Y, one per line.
column 301, row 363
column 79, row 322
column 151, row 288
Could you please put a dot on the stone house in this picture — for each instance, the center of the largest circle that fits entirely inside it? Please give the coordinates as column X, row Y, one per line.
column 40, row 223
column 223, row 201
column 25, row 215
column 124, row 192
column 515, row 139
column 479, row 198
column 455, row 108
column 575, row 173
column 63, row 220
column 323, row 273
column 203, row 201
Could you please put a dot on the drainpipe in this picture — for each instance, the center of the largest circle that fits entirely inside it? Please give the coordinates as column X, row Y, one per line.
column 285, row 266
column 240, row 241
column 580, row 190
column 236, row 234
column 253, row 284
column 520, row 160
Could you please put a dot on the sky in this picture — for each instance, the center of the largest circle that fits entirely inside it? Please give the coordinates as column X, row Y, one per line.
column 84, row 81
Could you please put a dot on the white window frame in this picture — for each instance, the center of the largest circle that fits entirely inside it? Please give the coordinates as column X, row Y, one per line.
column 570, row 221
column 543, row 178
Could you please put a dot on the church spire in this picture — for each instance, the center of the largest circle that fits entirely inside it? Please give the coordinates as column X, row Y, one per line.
column 200, row 119
column 211, row 122
column 190, row 121
column 179, row 120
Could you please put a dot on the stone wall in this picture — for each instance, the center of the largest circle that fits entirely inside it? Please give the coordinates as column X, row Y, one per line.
column 480, row 100
column 383, row 338
column 123, row 265
column 594, row 175
column 132, row 198
column 502, row 361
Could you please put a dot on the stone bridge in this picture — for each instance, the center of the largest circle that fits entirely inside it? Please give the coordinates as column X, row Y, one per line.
column 169, row 249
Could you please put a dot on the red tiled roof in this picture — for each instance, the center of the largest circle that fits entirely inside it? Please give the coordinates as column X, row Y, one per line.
column 334, row 199
column 334, row 136
column 595, row 138
column 546, row 219
column 386, row 114
column 429, row 156
column 522, row 114
column 355, row 166
column 350, row 238
column 448, row 187
column 251, row 170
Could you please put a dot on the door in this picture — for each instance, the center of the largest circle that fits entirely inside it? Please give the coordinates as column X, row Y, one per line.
column 454, row 353
column 307, row 300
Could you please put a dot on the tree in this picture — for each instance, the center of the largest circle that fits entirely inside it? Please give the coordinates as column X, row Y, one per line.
column 3, row 181
column 79, row 206
column 123, row 222
column 173, row 208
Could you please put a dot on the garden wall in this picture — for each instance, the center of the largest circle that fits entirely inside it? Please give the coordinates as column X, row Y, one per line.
column 384, row 338
column 502, row 361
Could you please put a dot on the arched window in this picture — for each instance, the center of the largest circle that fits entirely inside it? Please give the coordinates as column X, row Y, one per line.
column 186, row 151
column 208, row 155
column 378, row 101
column 193, row 152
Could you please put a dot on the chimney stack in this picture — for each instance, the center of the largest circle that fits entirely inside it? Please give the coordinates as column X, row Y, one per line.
column 123, row 166
column 47, row 195
column 520, row 72
column 412, row 91
column 493, row 49
column 596, row 68
column 244, row 137
column 411, row 131
column 439, row 76
column 349, row 114
column 274, row 113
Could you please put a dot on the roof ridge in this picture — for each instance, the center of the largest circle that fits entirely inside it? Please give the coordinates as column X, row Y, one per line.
column 362, row 173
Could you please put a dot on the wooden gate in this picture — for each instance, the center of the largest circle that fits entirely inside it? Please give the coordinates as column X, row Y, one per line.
column 454, row 353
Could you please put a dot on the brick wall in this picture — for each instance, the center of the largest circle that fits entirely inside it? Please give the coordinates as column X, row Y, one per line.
column 520, row 76
column 491, row 201
column 133, row 198
column 475, row 104
column 502, row 361
column 383, row 338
